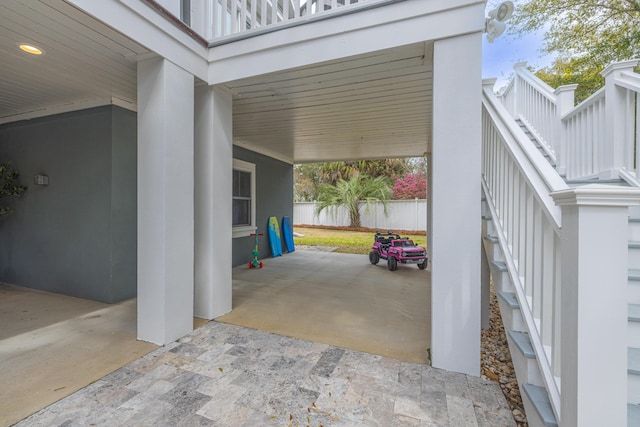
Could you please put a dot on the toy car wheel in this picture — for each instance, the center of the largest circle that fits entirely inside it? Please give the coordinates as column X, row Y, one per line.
column 374, row 257
column 423, row 264
column 392, row 264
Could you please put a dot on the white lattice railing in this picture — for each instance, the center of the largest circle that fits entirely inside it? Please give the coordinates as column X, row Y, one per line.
column 597, row 138
column 517, row 182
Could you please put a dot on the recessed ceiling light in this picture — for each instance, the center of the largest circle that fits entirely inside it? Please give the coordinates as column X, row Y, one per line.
column 29, row 48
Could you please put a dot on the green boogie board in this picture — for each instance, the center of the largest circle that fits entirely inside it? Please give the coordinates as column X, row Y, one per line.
column 273, row 229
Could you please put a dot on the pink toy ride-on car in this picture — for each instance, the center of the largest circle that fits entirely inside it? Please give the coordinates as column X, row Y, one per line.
column 395, row 250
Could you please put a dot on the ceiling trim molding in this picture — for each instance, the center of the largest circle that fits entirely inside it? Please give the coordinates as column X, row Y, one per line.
column 67, row 108
column 264, row 152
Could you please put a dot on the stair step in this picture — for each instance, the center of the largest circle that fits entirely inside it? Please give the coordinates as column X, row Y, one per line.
column 633, row 326
column 633, row 364
column 523, row 343
column 494, row 239
column 487, row 217
column 634, row 245
column 509, row 298
column 634, row 275
column 633, row 415
column 540, row 400
column 501, row 266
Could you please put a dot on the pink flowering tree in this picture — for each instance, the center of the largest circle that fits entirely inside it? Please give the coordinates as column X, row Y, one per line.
column 410, row 186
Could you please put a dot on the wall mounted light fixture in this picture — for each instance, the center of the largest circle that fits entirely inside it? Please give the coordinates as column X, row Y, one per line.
column 41, row 179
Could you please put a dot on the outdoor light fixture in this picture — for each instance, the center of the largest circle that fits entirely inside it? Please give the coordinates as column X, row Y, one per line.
column 31, row 49
column 495, row 25
column 41, row 179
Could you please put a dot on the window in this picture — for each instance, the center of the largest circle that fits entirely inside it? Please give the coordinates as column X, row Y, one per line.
column 185, row 12
column 244, row 198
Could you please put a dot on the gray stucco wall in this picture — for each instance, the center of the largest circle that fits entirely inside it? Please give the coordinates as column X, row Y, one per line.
column 274, row 197
column 76, row 236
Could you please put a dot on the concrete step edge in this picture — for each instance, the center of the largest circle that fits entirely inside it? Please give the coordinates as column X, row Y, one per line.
column 540, row 399
column 522, row 342
column 501, row 266
column 633, row 361
column 494, row 239
column 633, row 415
column 509, row 298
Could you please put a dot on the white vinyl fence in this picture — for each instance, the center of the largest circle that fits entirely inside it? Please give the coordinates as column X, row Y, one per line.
column 401, row 215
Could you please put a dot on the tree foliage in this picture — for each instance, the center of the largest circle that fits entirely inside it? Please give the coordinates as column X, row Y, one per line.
column 410, row 186
column 603, row 30
column 586, row 36
column 350, row 193
column 9, row 186
column 310, row 176
column 573, row 71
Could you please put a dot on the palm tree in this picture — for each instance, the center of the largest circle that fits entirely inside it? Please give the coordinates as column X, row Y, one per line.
column 350, row 194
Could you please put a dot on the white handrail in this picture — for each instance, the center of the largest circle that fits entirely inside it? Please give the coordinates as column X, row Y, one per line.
column 595, row 139
column 250, row 17
column 517, row 182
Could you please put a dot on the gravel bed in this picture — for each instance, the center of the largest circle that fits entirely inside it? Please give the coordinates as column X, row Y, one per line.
column 496, row 362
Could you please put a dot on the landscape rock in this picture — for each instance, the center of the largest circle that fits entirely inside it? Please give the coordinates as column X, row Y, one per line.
column 496, row 364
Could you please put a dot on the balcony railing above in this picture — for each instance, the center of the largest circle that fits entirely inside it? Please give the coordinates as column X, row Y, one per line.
column 223, row 21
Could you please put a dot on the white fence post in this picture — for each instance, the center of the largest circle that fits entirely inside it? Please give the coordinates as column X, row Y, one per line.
column 565, row 100
column 613, row 157
column 594, row 304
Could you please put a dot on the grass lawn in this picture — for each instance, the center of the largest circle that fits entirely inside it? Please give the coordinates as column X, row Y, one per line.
column 347, row 242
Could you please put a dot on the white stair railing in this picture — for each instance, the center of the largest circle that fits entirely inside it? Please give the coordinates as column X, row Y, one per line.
column 518, row 182
column 595, row 139
column 565, row 254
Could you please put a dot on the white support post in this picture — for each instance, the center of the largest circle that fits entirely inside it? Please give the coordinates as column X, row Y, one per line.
column 485, row 290
column 565, row 100
column 594, row 304
column 429, row 159
column 518, row 94
column 213, row 197
column 165, row 201
column 613, row 155
column 455, row 204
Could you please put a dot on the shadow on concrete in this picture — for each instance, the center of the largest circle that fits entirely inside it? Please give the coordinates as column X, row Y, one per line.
column 337, row 299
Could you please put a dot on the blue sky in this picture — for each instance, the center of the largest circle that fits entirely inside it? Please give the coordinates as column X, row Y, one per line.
column 499, row 57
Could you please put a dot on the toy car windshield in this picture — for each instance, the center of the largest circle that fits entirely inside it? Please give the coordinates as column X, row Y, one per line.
column 403, row 243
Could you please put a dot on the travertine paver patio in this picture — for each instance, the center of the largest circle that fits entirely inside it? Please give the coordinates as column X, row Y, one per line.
column 226, row 375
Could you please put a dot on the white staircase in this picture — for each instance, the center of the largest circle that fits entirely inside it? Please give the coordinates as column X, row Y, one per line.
column 532, row 143
column 534, row 394
column 633, row 352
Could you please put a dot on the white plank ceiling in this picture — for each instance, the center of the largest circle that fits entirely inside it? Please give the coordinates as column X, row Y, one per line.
column 84, row 62
column 366, row 107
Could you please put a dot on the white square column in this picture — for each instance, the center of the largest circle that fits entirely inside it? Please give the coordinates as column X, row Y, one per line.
column 593, row 349
column 213, row 201
column 165, row 201
column 455, row 204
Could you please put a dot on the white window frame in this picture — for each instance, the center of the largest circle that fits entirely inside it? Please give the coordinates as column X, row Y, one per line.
column 247, row 230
